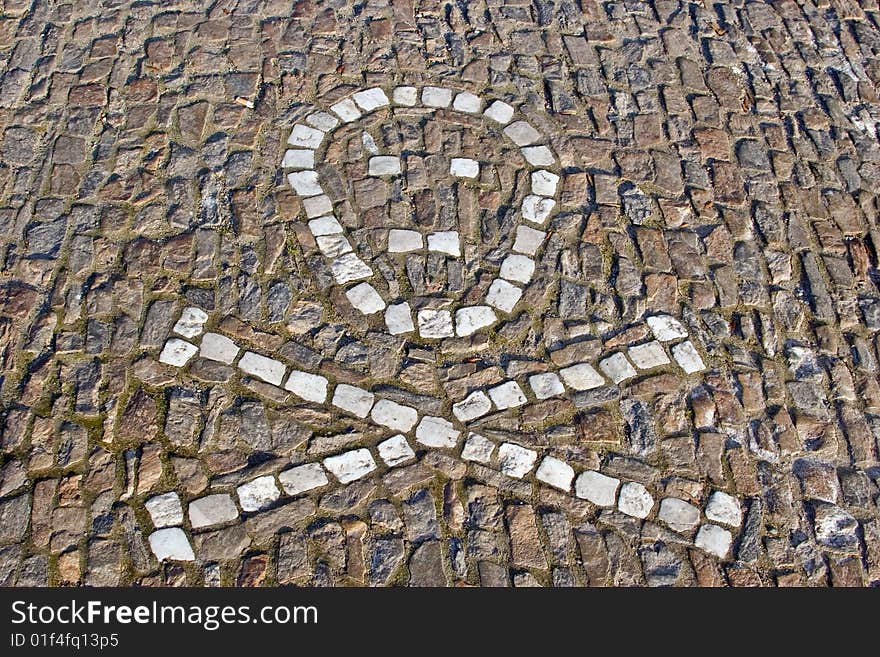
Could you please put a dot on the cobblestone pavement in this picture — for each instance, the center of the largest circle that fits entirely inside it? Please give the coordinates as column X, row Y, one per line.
column 440, row 293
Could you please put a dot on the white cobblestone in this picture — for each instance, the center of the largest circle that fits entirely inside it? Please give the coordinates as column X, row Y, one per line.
column 725, row 509
column 467, row 102
column 714, row 540
column 384, row 165
column 302, row 136
column 326, row 225
column 516, row 461
column 333, row 246
column 365, row 298
column 435, row 324
column 305, row 183
column 436, row 432
column 538, row 156
column 303, row 478
column 464, row 167
column 597, row 488
column 503, row 295
column 348, row 268
column 267, row 369
column 171, row 544
column 518, row 268
column 436, row 97
column 546, row 385
column 406, row 96
column 322, row 121
column 395, row 450
column 354, row 400
column 311, row 387
column 528, row 240
column 617, row 368
column 371, row 99
column 581, row 376
column 544, row 183
column 298, row 159
column 446, row 241
column 537, row 208
column 522, row 133
column 165, row 510
column 350, row 466
column 500, row 112
column 477, row 448
column 212, row 510
column 475, row 405
column 398, row 319
column 191, row 323
column 258, row 494
column 404, row 241
column 470, row 319
column 507, row 395
column 688, row 357
column 317, row 206
column 177, row 352
column 680, row 515
column 635, row 500
column 555, row 472
column 646, row 356
column 346, row 110
column 218, row 347
column 396, row 417
column 666, row 328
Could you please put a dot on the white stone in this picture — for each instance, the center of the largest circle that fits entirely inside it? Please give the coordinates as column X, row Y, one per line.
column 467, row 102
column 503, row 295
column 354, row 400
column 370, row 99
column 303, row 478
column 635, row 500
column 317, row 206
column 516, row 461
column 471, row 407
column 470, row 319
column 666, row 328
column 298, row 159
column 555, row 472
column 212, row 510
column 177, row 352
column 384, row 165
column 617, row 367
column 688, row 357
column 258, row 494
column 326, row 225
column 311, row 387
column 714, row 540
column 407, row 96
column 477, row 448
column 522, row 133
column 396, row 417
column 348, row 268
column 464, row 167
column 171, row 544
column 546, row 385
column 518, row 268
column 528, row 240
column 165, row 510
column 544, row 183
column 322, row 121
column 581, row 376
column 191, row 323
column 500, row 112
column 398, row 319
column 404, row 241
column 369, row 143
column 436, row 432
column 303, row 136
column 333, row 246
column 597, row 488
column 267, row 369
column 435, row 324
column 350, row 466
column 537, row 208
column 305, row 183
column 436, row 97
column 395, row 450
column 649, row 355
column 445, row 241
column 680, row 515
column 365, row 298
column 724, row 508
column 346, row 110
column 538, row 156
column 507, row 395
column 218, row 347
